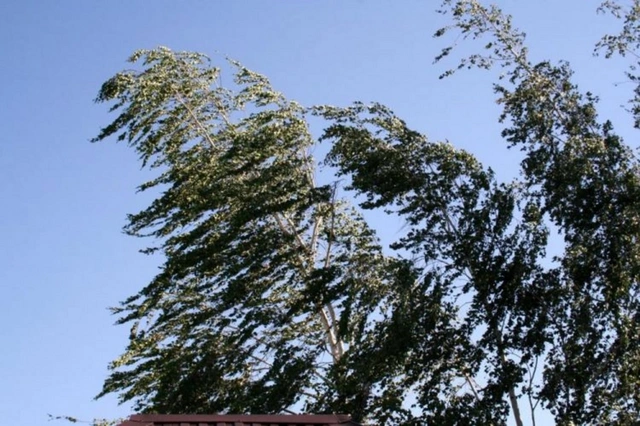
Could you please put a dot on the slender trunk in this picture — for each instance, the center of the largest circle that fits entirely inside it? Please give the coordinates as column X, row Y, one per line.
column 513, row 399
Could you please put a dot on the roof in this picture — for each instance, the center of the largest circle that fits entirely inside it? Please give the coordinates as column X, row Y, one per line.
column 238, row 420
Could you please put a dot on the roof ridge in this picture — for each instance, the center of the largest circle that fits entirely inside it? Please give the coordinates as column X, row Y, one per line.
column 240, row 420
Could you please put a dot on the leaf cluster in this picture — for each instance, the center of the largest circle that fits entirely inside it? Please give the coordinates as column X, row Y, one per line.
column 276, row 295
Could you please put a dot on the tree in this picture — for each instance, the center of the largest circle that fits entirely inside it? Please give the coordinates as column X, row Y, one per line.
column 275, row 293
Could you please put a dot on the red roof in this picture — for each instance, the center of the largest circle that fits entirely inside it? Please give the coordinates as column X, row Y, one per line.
column 238, row 420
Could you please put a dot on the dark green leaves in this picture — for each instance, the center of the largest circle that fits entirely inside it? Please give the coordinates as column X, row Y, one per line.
column 262, row 265
column 275, row 294
column 581, row 176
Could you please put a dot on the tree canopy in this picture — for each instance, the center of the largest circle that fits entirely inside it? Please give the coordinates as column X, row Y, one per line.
column 275, row 293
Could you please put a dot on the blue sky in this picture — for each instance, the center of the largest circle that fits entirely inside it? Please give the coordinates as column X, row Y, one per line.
column 63, row 259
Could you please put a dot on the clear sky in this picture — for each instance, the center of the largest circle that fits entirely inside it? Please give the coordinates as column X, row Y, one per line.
column 63, row 259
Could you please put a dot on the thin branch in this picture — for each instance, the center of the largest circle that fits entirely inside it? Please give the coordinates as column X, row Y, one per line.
column 327, row 261
column 291, row 231
column 472, row 384
column 203, row 129
column 532, row 406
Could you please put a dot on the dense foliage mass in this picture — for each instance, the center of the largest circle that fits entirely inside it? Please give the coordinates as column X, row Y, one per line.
column 276, row 295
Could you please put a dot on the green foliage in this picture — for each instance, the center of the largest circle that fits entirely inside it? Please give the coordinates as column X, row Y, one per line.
column 265, row 269
column 585, row 180
column 276, row 295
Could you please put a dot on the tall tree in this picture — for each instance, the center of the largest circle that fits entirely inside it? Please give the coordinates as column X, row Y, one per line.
column 269, row 277
column 276, row 295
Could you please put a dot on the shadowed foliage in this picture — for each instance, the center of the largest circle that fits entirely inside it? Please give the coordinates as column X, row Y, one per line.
column 275, row 293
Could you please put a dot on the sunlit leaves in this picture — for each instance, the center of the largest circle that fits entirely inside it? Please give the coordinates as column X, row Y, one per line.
column 276, row 295
column 265, row 270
